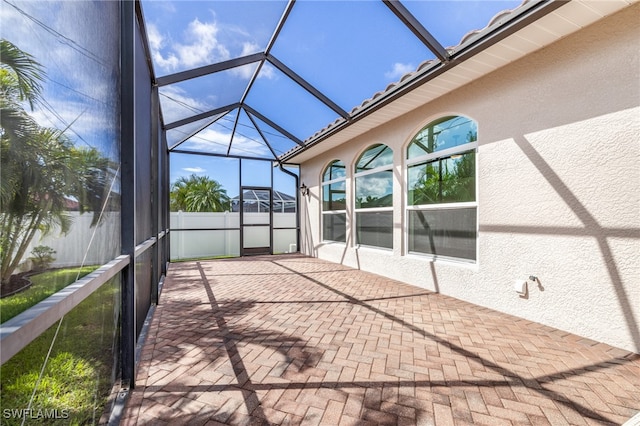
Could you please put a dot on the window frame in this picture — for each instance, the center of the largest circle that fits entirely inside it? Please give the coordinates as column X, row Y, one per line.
column 323, row 212
column 432, row 157
column 384, row 168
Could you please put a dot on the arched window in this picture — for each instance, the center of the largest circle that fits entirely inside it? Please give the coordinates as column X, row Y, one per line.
column 334, row 202
column 441, row 189
column 374, row 197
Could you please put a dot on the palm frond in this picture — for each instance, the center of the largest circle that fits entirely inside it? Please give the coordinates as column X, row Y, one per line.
column 28, row 72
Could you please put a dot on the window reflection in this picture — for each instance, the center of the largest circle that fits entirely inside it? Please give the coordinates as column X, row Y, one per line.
column 374, row 157
column 446, row 180
column 335, row 170
column 442, row 134
column 441, row 170
column 374, row 190
column 334, row 193
column 60, row 192
column 334, row 196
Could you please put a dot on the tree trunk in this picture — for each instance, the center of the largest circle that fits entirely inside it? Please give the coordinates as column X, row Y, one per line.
column 12, row 261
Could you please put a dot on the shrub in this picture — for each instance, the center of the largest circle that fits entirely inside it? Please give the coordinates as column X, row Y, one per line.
column 42, row 257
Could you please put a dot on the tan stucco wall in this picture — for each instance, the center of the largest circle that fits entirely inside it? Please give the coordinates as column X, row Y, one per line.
column 558, row 187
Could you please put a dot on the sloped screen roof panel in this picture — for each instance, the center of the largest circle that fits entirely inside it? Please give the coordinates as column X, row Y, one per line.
column 184, row 99
column 179, row 134
column 187, row 34
column 289, row 105
column 308, row 68
column 213, row 139
column 349, row 49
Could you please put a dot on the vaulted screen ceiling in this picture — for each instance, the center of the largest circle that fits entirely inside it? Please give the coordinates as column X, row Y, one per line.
column 262, row 79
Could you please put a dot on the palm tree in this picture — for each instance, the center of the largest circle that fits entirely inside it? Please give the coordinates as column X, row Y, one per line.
column 445, row 181
column 21, row 74
column 91, row 185
column 427, row 188
column 39, row 166
column 198, row 194
column 38, row 170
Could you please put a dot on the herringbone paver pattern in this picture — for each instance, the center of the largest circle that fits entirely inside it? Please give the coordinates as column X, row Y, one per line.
column 295, row 340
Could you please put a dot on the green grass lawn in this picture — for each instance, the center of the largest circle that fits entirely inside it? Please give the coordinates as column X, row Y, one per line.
column 79, row 374
column 44, row 285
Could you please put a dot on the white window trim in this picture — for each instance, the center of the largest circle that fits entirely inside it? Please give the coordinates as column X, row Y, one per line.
column 443, row 206
column 356, row 210
column 455, row 261
column 378, row 249
column 442, row 154
column 373, row 209
column 374, row 171
column 445, row 260
column 326, row 212
column 336, row 180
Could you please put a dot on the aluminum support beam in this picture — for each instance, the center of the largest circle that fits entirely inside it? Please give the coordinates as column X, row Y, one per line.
column 127, row 197
column 212, row 154
column 308, row 87
column 418, row 29
column 272, row 124
column 264, row 139
column 531, row 13
column 233, row 132
column 201, row 116
column 272, row 41
column 209, row 69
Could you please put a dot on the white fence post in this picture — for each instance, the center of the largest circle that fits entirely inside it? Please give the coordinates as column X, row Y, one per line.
column 180, row 235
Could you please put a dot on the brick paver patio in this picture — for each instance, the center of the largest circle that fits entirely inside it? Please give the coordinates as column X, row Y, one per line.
column 296, row 340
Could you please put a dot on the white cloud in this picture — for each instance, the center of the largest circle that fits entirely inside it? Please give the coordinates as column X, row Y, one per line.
column 67, row 113
column 373, row 186
column 203, row 46
column 157, row 42
column 174, row 101
column 194, row 169
column 244, row 145
column 399, row 70
column 200, row 46
column 267, row 71
column 167, row 6
column 249, row 47
column 216, row 141
column 209, row 140
column 246, row 71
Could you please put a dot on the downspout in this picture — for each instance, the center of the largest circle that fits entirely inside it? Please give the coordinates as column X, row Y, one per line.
column 297, row 179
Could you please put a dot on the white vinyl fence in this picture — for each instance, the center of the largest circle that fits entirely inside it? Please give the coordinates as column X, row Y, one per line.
column 86, row 245
column 196, row 235
column 83, row 244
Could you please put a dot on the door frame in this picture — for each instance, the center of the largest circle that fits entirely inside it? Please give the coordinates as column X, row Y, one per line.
column 254, row 251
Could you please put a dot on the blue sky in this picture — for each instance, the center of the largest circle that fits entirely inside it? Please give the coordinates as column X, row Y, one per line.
column 349, row 50
column 79, row 93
